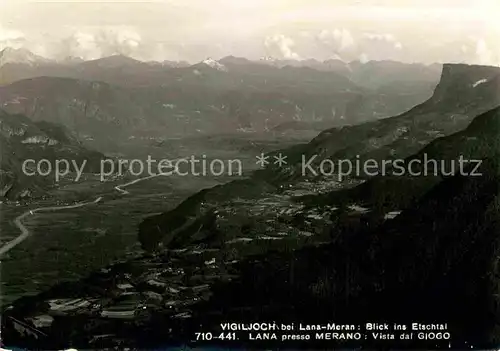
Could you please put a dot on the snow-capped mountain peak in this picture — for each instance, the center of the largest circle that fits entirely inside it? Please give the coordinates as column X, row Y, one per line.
column 268, row 58
column 24, row 56
column 214, row 64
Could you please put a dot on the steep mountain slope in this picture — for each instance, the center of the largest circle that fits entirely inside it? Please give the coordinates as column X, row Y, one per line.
column 271, row 191
column 437, row 161
column 437, row 262
column 21, row 139
column 463, row 93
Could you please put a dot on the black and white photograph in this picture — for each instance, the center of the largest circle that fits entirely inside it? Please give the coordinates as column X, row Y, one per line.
column 249, row 175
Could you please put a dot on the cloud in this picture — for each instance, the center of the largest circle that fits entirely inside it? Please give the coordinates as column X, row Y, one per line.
column 340, row 39
column 241, row 27
column 383, row 46
column 352, row 45
column 11, row 38
column 92, row 43
column 363, row 58
column 385, row 39
column 82, row 44
column 281, row 44
column 380, row 37
column 305, row 34
column 484, row 55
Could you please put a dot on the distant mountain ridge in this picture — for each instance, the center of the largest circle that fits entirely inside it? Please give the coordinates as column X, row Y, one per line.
column 16, row 60
column 227, row 95
column 21, row 56
column 121, row 97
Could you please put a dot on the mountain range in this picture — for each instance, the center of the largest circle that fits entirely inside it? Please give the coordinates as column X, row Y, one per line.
column 119, row 97
column 17, row 64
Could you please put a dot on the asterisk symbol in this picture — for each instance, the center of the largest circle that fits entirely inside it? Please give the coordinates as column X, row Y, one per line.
column 262, row 160
column 280, row 160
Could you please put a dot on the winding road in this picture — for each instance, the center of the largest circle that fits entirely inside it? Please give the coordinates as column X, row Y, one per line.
column 25, row 233
column 125, row 192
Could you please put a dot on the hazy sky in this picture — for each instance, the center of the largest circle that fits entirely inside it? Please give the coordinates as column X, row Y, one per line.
column 415, row 31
